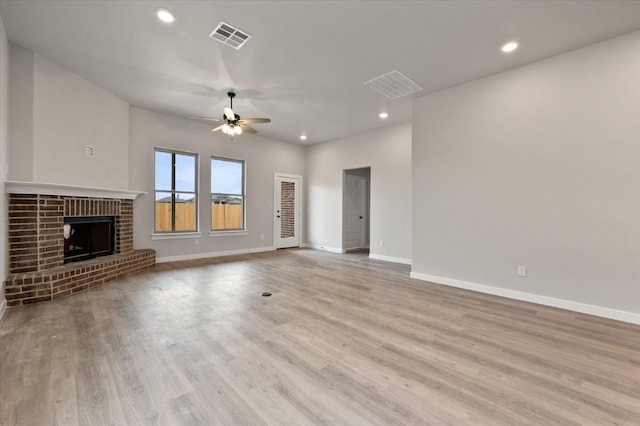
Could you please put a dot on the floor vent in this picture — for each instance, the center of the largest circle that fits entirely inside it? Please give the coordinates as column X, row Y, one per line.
column 230, row 35
column 393, row 85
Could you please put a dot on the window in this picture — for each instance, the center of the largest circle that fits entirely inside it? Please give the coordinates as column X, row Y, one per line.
column 227, row 194
column 176, row 203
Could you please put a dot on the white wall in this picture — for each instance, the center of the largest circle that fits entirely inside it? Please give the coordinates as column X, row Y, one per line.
column 388, row 152
column 537, row 166
column 65, row 113
column 21, row 114
column 4, row 115
column 263, row 157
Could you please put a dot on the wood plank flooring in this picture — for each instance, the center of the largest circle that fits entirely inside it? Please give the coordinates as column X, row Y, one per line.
column 343, row 340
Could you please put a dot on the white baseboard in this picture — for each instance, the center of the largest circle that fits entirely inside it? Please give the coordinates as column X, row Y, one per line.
column 212, row 254
column 390, row 259
column 321, row 247
column 3, row 307
column 534, row 298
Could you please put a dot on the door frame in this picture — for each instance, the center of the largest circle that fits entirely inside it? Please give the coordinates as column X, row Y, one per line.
column 362, row 207
column 365, row 226
column 297, row 210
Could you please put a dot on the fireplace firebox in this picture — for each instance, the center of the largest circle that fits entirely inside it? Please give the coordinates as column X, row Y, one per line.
column 87, row 237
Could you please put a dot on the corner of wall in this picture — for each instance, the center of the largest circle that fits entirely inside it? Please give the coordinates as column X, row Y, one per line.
column 387, row 151
column 4, row 117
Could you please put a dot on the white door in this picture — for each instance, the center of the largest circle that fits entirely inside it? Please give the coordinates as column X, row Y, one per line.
column 354, row 210
column 287, row 211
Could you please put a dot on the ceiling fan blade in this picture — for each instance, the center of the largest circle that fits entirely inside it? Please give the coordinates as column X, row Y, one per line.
column 255, row 120
column 218, row 128
column 205, row 118
column 229, row 114
column 246, row 128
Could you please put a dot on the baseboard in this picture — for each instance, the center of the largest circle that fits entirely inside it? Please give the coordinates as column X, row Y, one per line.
column 533, row 298
column 3, row 307
column 212, row 254
column 390, row 259
column 321, row 247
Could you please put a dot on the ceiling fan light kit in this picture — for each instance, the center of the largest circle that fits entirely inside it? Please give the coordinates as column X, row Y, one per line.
column 231, row 130
column 232, row 125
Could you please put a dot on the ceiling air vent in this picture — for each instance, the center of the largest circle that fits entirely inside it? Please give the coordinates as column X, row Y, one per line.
column 393, row 85
column 229, row 35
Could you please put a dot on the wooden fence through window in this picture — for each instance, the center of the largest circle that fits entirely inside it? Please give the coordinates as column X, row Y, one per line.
column 225, row 216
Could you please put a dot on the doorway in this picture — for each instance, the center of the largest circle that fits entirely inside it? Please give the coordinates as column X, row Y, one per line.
column 355, row 208
column 287, row 211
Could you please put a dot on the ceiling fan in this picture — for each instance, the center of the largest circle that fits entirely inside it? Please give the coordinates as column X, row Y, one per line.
column 232, row 124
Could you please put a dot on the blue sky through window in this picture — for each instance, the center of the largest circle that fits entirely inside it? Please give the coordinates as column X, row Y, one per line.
column 226, row 177
column 163, row 171
column 185, row 173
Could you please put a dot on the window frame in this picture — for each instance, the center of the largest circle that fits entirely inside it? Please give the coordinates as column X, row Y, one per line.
column 229, row 231
column 173, row 192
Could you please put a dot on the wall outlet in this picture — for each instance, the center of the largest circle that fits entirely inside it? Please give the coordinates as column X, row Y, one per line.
column 522, row 271
column 381, row 243
column 196, row 242
column 262, row 236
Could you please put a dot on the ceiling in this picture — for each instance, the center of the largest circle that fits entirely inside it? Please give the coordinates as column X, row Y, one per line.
column 306, row 62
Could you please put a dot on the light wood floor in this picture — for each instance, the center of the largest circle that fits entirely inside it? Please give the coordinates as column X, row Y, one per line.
column 343, row 340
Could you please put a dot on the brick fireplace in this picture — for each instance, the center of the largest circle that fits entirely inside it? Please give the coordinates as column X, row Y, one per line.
column 37, row 271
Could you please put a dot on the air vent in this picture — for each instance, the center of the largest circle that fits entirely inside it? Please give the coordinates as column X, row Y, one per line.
column 230, row 35
column 393, row 85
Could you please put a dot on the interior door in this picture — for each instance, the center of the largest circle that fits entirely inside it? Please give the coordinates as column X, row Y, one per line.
column 354, row 210
column 287, row 211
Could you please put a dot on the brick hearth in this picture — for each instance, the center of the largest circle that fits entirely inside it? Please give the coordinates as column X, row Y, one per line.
column 36, row 247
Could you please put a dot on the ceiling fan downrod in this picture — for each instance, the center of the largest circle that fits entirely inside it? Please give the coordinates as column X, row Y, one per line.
column 231, row 96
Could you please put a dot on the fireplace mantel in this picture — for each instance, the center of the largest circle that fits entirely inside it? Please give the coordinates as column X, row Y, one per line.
column 38, row 188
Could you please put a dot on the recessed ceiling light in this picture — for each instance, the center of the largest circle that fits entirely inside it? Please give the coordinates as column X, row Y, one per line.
column 165, row 16
column 303, row 138
column 383, row 115
column 509, row 47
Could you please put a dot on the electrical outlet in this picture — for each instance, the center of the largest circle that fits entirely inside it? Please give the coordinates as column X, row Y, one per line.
column 262, row 236
column 381, row 243
column 522, row 271
column 196, row 242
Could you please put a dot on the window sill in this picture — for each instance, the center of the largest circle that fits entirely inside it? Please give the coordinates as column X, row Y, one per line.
column 176, row 236
column 233, row 233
